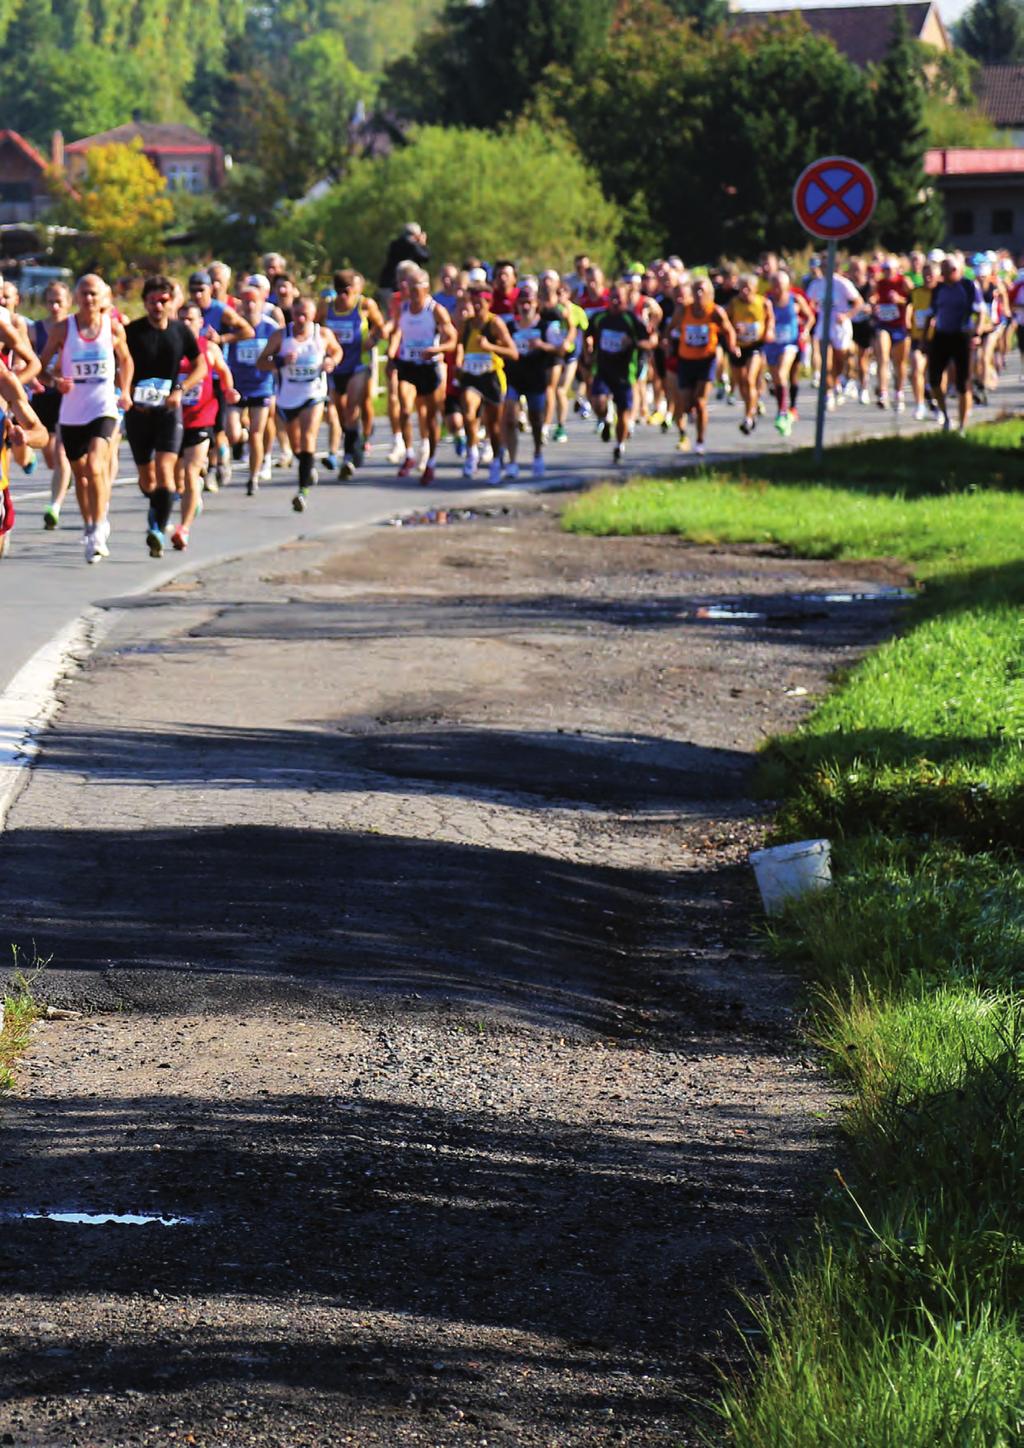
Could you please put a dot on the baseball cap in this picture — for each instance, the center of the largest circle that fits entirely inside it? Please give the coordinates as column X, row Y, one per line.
column 477, row 274
column 200, row 279
column 936, row 254
column 814, row 261
column 258, row 280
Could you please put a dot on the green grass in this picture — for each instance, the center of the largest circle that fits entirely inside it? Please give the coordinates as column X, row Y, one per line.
column 19, row 1011
column 898, row 1325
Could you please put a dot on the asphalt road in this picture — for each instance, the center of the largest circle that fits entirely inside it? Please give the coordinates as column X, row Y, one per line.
column 45, row 584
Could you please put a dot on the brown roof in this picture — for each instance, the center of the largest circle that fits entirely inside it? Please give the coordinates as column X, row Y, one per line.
column 1000, row 93
column 861, row 32
column 24, row 146
column 154, row 137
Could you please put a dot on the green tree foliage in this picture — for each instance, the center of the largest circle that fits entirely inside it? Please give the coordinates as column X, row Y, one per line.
column 481, row 64
column 906, row 209
column 523, row 193
column 992, row 31
column 375, row 31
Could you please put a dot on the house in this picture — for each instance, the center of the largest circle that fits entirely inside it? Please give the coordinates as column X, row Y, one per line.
column 184, row 157
column 860, row 32
column 982, row 194
column 999, row 91
column 24, row 194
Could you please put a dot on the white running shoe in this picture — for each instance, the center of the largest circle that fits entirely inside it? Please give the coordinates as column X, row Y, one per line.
column 92, row 551
column 472, row 462
column 538, row 466
column 486, row 453
column 865, row 397
column 103, row 537
column 699, row 449
column 266, row 471
column 830, row 401
column 397, row 453
column 920, row 412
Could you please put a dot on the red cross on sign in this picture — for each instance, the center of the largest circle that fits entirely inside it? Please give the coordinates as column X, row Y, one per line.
column 834, row 197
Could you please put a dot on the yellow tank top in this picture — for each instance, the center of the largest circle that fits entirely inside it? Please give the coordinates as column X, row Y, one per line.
column 476, row 362
column 920, row 312
column 749, row 319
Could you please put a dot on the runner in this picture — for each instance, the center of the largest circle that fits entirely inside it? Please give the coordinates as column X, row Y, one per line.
column 221, row 324
column 357, row 325
column 920, row 320
column 399, row 420
column 10, row 299
column 540, row 338
column 153, row 424
column 554, row 296
column 792, row 314
column 891, row 304
column 956, row 308
column 994, row 312
column 700, row 324
column 45, row 396
column 19, row 427
column 304, row 352
column 481, row 357
column 199, row 417
column 847, row 303
column 505, row 289
column 615, row 340
column 94, row 367
column 255, row 388
column 753, row 322
column 423, row 336
column 862, row 334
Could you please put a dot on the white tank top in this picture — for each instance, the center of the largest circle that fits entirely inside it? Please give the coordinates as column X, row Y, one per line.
column 302, row 370
column 90, row 366
column 419, row 330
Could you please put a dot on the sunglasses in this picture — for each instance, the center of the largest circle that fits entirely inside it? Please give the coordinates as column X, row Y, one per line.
column 154, row 298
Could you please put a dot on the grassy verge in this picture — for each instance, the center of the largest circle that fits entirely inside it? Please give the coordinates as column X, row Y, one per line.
column 19, row 1011
column 898, row 1326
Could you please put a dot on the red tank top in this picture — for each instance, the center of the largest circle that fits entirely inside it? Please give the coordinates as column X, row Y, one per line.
column 199, row 406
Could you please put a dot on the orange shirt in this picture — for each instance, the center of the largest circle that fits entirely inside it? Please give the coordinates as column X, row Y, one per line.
column 698, row 334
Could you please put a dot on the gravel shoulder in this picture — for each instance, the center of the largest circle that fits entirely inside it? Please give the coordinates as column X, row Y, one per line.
column 402, row 883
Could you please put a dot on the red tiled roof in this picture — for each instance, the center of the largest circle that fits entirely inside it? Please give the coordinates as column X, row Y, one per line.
column 975, row 161
column 153, row 137
column 1000, row 93
column 861, row 32
column 26, row 147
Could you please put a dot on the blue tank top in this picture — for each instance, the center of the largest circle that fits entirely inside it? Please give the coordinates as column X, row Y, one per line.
column 787, row 323
column 212, row 317
column 348, row 329
column 249, row 381
column 46, row 379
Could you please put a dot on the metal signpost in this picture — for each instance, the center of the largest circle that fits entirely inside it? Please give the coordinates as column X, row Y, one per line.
column 833, row 198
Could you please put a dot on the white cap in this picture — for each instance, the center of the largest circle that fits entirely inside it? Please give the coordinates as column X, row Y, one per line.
column 257, row 279
column 937, row 254
column 477, row 274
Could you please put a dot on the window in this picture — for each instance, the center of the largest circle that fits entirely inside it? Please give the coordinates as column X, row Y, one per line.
column 15, row 191
column 1002, row 221
column 963, row 222
column 184, row 176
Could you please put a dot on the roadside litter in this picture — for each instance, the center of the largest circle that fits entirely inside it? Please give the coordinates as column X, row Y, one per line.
column 785, row 872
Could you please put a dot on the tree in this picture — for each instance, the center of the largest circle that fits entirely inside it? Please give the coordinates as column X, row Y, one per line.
column 992, row 31
column 907, row 211
column 120, row 203
column 482, row 63
column 48, row 94
column 523, row 192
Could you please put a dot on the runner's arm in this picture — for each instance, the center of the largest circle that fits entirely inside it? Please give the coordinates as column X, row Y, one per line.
column 199, row 371
column 11, row 340
column 727, row 330
column 449, row 336
column 223, row 371
column 769, row 321
column 267, row 360
column 332, row 351
column 27, row 430
column 504, row 347
column 125, row 365
column 234, row 327
column 54, row 344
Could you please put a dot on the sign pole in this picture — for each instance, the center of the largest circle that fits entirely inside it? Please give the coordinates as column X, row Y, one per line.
column 826, row 338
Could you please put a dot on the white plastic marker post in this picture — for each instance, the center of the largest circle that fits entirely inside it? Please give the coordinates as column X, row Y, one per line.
column 833, row 199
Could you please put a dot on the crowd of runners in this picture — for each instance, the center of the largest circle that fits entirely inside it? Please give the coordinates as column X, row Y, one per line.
column 244, row 374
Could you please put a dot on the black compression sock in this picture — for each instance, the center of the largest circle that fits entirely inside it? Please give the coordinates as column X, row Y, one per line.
column 161, row 502
column 351, row 439
column 305, row 469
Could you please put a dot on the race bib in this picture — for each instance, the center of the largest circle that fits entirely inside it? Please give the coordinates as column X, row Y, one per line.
column 409, row 352
column 191, row 397
column 247, row 353
column 887, row 312
column 921, row 316
column 697, row 334
column 525, row 336
column 303, row 371
column 613, row 341
column 345, row 331
column 555, row 334
column 748, row 331
column 477, row 363
column 151, row 392
column 96, row 368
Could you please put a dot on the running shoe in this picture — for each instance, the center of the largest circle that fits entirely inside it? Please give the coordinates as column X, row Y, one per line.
column 537, row 470
column 347, row 469
column 783, row 425
column 179, row 538
column 560, row 434
column 397, row 453
column 606, row 431
column 683, row 445
column 900, row 404
column 947, row 425
column 211, row 484
column 331, row 462
column 494, row 472
column 29, row 468
column 865, row 397
column 155, row 542
column 830, row 401
column 469, row 467
column 617, row 453
column 656, row 418
column 882, row 399
column 427, row 476
column 408, row 465
column 699, row 449
column 266, row 471
column 460, row 444
column 51, row 518
column 286, row 460
column 511, row 473
column 487, row 453
column 103, row 537
column 586, row 411
column 92, row 552
column 747, row 426
column 252, row 488
column 222, row 472
column 300, row 500
column 920, row 412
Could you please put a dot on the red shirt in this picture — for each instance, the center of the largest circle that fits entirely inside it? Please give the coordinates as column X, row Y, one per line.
column 199, row 407
column 893, row 294
column 503, row 304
